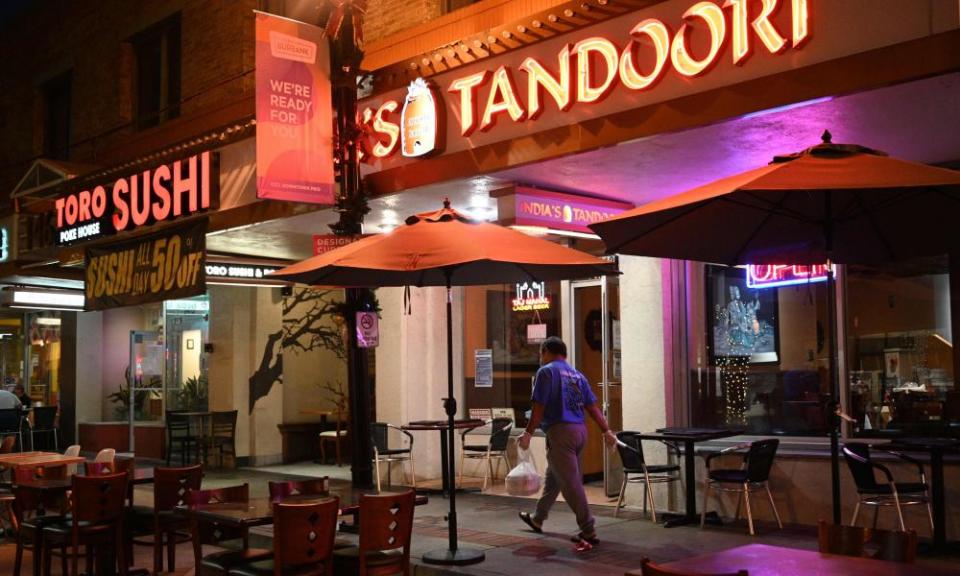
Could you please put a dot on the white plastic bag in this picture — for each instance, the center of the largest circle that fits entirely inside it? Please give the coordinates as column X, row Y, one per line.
column 524, row 479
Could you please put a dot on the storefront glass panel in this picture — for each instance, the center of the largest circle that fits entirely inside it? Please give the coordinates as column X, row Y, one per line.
column 900, row 346
column 43, row 354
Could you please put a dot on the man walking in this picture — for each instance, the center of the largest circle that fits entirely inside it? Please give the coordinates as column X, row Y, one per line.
column 561, row 395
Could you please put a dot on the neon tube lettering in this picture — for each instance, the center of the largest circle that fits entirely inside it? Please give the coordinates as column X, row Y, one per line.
column 659, row 35
column 680, row 55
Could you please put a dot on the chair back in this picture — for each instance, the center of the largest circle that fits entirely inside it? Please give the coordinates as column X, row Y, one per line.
column 224, row 424
column 99, row 499
column 386, row 522
column 759, row 459
column 893, row 546
column 74, row 451
column 44, row 418
column 838, row 539
column 311, row 487
column 500, row 434
column 99, row 468
column 304, row 534
column 178, row 425
column 105, row 455
column 651, row 569
column 380, row 435
column 171, row 486
column 208, row 532
column 632, row 455
column 857, row 455
column 10, row 419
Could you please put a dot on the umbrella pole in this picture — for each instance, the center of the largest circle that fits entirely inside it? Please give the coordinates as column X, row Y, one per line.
column 833, row 416
column 454, row 555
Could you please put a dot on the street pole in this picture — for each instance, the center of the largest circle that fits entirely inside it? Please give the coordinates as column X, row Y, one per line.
column 344, row 23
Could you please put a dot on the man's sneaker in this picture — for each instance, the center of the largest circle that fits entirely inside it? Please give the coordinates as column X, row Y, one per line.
column 529, row 521
column 581, row 537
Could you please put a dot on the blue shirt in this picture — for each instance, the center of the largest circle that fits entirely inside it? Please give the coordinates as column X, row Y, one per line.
column 563, row 391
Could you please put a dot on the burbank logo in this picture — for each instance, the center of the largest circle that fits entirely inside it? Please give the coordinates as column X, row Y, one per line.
column 289, row 47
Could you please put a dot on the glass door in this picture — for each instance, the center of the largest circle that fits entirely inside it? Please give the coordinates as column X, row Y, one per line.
column 147, row 357
column 595, row 323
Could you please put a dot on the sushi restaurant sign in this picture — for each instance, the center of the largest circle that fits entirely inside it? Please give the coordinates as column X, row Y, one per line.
column 559, row 81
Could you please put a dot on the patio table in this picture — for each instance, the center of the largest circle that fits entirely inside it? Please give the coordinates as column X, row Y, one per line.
column 443, row 426
column 689, row 437
column 936, row 448
column 765, row 560
column 38, row 460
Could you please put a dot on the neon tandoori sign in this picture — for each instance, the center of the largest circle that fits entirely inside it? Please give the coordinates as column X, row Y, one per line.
column 775, row 275
column 585, row 72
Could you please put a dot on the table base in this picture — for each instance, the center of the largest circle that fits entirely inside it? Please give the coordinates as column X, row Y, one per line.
column 458, row 557
column 671, row 519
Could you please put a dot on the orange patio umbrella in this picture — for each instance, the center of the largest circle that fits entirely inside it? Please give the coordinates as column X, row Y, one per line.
column 446, row 248
column 837, row 203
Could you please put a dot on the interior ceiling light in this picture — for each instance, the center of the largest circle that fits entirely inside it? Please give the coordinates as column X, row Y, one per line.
column 42, row 299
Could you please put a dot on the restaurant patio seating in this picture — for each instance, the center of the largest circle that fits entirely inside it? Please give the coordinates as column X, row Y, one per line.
column 96, row 524
column 44, row 424
column 220, row 563
column 336, row 436
column 127, row 465
column 311, row 487
column 888, row 493
column 634, row 464
column 105, row 455
column 29, row 525
column 180, row 437
column 651, row 569
column 887, row 545
column 10, row 424
column 752, row 475
column 383, row 453
column 303, row 536
column 386, row 527
column 223, row 434
column 162, row 523
column 72, row 450
column 494, row 449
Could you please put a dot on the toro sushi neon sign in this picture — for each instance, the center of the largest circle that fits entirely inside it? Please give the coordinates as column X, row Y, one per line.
column 774, row 275
column 586, row 71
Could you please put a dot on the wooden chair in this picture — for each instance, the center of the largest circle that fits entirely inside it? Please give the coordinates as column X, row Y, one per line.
column 10, row 419
column 753, row 474
column 651, row 569
column 336, row 436
column 29, row 525
column 220, row 563
column 383, row 453
column 887, row 545
column 180, row 437
column 106, row 455
column 303, row 535
column 168, row 527
column 494, row 449
column 312, row 487
column 96, row 524
column 223, row 434
column 386, row 526
column 634, row 464
column 45, row 423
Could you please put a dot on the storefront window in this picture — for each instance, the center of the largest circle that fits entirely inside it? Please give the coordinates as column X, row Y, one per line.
column 763, row 361
column 43, row 357
column 900, row 346
column 503, row 328
column 187, row 324
column 12, row 351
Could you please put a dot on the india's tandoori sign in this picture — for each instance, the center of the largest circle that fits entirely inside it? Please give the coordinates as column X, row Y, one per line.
column 162, row 266
column 294, row 111
column 665, row 48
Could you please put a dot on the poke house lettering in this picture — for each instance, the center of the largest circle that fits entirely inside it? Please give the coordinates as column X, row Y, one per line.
column 588, row 70
column 165, row 192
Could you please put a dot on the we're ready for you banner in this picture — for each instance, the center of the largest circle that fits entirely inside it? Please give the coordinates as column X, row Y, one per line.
column 167, row 265
column 294, row 112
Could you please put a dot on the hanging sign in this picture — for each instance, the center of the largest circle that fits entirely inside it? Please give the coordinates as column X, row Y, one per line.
column 294, row 112
column 483, row 368
column 523, row 206
column 159, row 194
column 162, row 266
column 368, row 330
column 774, row 275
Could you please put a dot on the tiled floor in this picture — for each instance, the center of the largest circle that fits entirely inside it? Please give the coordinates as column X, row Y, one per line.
column 489, row 522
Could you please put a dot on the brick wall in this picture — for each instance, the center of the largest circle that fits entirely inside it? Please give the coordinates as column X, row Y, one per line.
column 90, row 38
column 386, row 17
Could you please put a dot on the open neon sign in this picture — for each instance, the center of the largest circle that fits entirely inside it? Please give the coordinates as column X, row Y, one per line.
column 774, row 275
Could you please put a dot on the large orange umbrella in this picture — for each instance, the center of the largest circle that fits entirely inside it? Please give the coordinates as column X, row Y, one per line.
column 445, row 248
column 830, row 203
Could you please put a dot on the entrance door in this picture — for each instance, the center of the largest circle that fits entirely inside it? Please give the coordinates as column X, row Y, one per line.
column 596, row 353
column 146, row 378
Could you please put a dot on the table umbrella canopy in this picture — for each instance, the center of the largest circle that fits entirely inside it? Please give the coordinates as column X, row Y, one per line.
column 433, row 244
column 845, row 203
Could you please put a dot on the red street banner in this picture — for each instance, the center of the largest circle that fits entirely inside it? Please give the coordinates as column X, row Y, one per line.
column 163, row 266
column 294, row 112
column 323, row 243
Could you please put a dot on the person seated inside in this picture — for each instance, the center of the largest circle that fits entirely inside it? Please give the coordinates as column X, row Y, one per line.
column 22, row 395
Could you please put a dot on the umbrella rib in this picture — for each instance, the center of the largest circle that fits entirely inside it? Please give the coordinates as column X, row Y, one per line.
column 876, row 228
column 760, row 226
column 772, row 206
